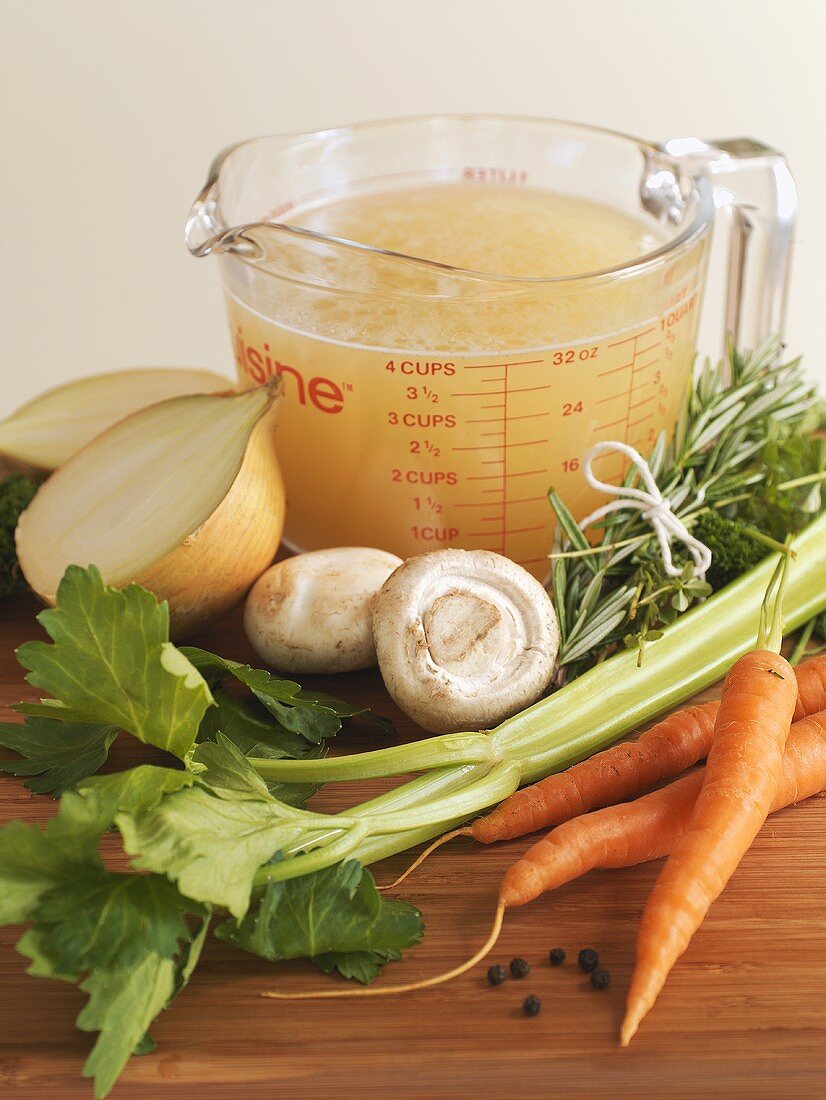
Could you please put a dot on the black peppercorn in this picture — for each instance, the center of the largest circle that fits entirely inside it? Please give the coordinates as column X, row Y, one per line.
column 519, row 968
column 497, row 974
column 588, row 960
column 531, row 1006
column 556, row 957
column 600, row 979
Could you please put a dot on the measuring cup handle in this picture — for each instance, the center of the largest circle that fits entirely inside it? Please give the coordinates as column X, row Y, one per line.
column 756, row 209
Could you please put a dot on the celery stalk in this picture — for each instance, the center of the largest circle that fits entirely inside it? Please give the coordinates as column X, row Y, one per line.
column 581, row 718
column 700, row 647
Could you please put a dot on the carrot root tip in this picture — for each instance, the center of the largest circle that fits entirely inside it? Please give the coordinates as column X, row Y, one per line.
column 409, row 987
column 630, row 1026
column 419, row 860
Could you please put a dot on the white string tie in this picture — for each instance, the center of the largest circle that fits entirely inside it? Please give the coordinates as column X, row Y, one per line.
column 651, row 504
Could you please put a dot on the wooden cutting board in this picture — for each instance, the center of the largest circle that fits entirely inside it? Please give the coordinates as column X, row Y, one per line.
column 743, row 1014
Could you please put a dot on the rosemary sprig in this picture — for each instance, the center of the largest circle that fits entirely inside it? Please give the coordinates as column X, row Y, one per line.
column 743, row 446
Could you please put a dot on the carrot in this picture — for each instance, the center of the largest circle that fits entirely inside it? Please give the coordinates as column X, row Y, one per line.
column 811, row 687
column 741, row 781
column 743, row 772
column 619, row 836
column 618, row 773
column 648, row 828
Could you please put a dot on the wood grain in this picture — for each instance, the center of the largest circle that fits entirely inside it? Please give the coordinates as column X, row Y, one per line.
column 742, row 1015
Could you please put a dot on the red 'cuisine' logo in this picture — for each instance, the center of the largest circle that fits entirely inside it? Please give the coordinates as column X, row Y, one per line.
column 258, row 364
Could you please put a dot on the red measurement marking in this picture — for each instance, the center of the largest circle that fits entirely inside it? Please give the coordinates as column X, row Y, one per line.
column 641, row 420
column 613, row 424
column 647, row 366
column 480, row 447
column 490, row 366
column 509, row 531
column 488, row 435
column 498, row 477
column 530, row 389
column 484, row 380
column 527, row 443
column 489, row 420
column 605, row 400
column 493, row 462
column 646, row 401
column 615, row 370
column 501, row 405
column 528, row 500
column 505, row 458
column 645, row 351
column 616, row 343
column 479, row 393
column 492, row 519
column 477, row 503
column 607, row 458
column 525, row 416
column 634, row 363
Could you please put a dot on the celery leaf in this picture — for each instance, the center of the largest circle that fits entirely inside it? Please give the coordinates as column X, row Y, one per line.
column 111, row 662
column 314, row 716
column 103, row 920
column 130, row 941
column 58, row 755
column 134, row 791
column 211, row 838
column 335, row 916
column 252, row 730
column 35, row 860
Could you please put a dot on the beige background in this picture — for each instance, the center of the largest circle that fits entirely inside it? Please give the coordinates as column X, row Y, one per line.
column 112, row 109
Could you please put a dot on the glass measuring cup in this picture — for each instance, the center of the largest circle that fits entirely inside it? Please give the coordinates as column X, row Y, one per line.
column 428, row 405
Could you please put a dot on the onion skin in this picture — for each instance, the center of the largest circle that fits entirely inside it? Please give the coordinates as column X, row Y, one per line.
column 214, row 567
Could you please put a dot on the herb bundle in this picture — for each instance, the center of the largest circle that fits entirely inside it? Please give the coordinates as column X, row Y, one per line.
column 743, row 470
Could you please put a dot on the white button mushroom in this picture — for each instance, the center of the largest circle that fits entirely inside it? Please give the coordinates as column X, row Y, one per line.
column 312, row 613
column 464, row 639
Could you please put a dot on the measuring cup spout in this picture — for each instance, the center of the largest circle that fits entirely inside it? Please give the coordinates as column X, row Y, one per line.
column 205, row 231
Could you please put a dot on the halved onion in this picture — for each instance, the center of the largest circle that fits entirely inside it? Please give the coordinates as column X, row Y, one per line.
column 184, row 497
column 40, row 435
